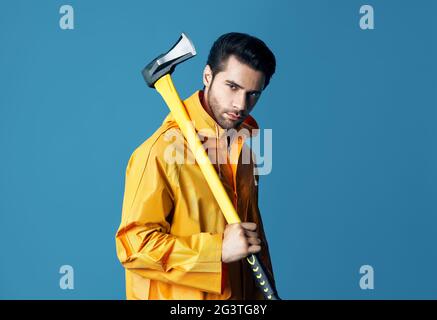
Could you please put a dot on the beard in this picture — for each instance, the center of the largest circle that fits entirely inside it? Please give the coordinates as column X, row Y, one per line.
column 219, row 111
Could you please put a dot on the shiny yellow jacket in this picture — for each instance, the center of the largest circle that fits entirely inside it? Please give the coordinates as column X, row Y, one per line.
column 170, row 237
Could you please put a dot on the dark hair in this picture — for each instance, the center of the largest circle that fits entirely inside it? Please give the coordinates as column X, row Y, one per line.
column 247, row 49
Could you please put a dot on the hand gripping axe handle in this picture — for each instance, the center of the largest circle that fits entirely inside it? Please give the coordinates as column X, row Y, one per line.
column 157, row 74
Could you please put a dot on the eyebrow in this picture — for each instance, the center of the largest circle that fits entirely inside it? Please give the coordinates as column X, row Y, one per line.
column 241, row 87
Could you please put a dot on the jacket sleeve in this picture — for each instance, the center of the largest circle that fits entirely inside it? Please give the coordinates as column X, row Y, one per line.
column 143, row 241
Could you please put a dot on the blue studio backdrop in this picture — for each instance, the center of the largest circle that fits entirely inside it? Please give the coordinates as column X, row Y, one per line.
column 351, row 197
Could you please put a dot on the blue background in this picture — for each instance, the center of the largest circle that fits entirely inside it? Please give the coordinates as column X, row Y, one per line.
column 353, row 115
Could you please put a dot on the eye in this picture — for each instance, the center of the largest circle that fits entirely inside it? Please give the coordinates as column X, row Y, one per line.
column 255, row 94
column 232, row 86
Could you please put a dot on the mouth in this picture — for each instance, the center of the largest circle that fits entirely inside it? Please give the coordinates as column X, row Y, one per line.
column 233, row 116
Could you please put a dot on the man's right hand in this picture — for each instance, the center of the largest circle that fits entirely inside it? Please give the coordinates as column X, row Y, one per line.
column 239, row 240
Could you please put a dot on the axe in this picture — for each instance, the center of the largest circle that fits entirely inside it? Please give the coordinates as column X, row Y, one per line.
column 157, row 74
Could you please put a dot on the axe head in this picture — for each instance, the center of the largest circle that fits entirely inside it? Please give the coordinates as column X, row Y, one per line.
column 165, row 63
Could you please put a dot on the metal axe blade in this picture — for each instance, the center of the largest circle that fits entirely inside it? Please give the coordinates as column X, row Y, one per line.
column 165, row 63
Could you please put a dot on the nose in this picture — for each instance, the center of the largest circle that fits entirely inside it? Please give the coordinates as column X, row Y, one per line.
column 240, row 104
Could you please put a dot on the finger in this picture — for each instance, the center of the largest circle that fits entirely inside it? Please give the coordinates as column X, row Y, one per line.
column 254, row 249
column 249, row 225
column 254, row 241
column 251, row 234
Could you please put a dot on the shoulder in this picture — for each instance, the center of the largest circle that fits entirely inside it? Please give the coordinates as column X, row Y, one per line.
column 155, row 145
column 152, row 154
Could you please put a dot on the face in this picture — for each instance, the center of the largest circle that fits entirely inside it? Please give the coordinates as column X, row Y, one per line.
column 231, row 94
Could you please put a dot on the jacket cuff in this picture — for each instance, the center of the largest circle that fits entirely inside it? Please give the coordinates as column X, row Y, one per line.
column 210, row 253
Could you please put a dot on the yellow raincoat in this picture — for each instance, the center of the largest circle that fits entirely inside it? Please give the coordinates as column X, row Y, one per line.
column 170, row 237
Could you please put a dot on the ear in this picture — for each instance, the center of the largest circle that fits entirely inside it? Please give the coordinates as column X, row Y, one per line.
column 207, row 76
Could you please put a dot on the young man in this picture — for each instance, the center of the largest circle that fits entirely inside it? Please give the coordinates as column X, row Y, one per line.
column 173, row 239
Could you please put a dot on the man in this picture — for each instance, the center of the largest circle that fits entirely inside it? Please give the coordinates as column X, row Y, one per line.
column 173, row 239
